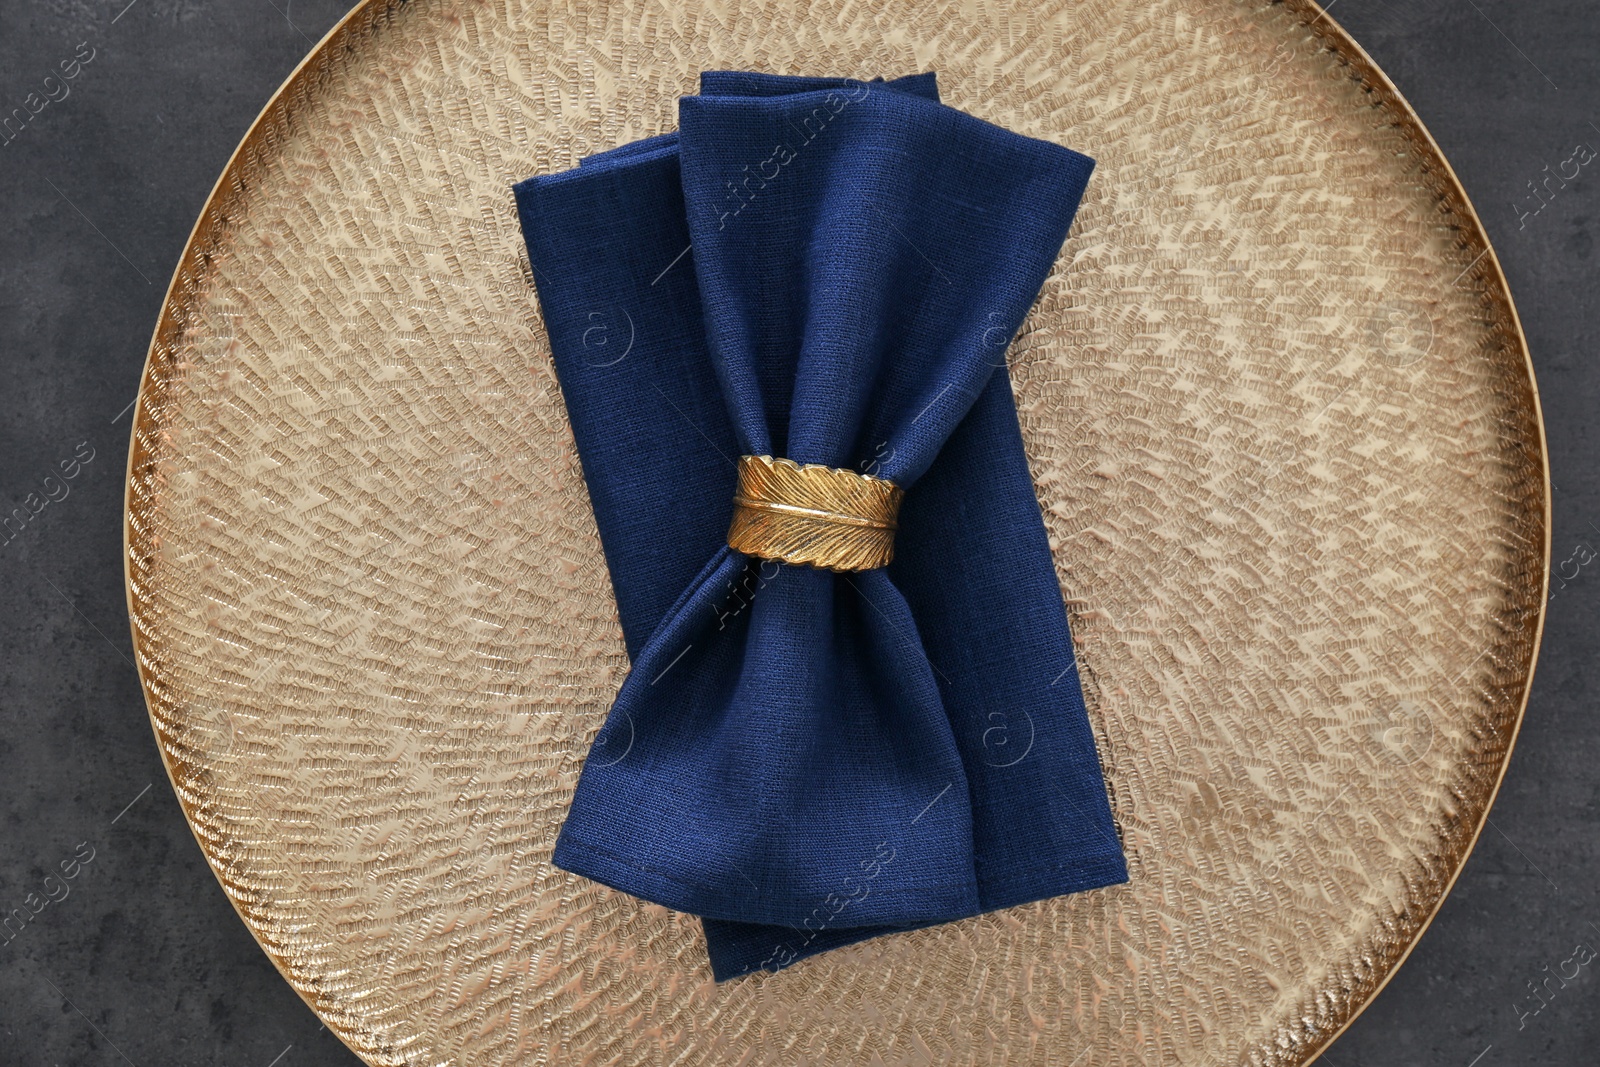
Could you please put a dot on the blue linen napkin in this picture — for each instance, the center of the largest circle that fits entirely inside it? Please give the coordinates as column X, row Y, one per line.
column 826, row 270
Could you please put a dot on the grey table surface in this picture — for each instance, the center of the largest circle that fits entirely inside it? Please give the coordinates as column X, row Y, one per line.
column 144, row 962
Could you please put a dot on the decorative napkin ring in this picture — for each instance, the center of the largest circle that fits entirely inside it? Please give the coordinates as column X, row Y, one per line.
column 831, row 518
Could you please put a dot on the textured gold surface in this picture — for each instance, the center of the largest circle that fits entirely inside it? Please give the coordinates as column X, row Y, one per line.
column 1280, row 418
column 824, row 516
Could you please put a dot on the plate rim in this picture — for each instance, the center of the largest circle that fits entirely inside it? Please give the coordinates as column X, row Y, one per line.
column 1314, row 18
column 1346, row 44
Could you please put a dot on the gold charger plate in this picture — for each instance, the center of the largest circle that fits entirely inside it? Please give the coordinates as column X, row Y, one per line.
column 1281, row 419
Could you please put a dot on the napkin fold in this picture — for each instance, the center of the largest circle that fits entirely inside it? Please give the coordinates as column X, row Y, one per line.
column 830, row 271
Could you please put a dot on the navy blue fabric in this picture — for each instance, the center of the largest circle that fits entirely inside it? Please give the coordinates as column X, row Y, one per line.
column 831, row 271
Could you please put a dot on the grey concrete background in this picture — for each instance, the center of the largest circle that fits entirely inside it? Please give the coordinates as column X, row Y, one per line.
column 144, row 962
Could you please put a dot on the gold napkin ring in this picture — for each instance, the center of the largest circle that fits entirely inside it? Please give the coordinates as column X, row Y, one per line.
column 824, row 516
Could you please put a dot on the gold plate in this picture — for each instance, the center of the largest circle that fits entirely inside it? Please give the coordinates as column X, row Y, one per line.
column 1281, row 419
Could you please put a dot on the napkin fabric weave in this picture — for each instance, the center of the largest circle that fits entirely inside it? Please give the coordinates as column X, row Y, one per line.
column 829, row 271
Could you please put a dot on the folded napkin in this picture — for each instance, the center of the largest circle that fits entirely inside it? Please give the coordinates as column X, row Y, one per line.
column 829, row 271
